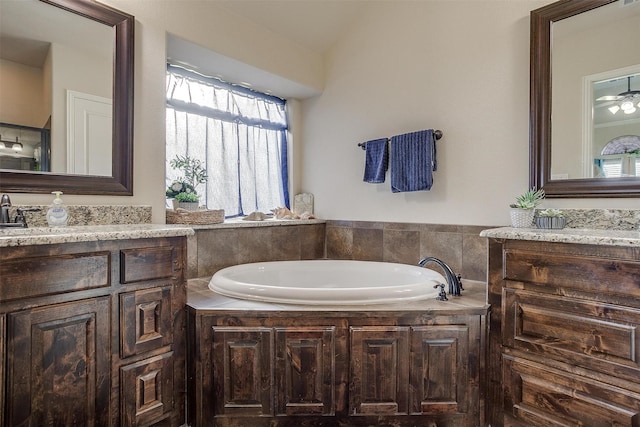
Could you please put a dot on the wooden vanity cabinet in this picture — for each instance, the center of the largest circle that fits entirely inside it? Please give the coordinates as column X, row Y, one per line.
column 93, row 333
column 563, row 348
column 334, row 368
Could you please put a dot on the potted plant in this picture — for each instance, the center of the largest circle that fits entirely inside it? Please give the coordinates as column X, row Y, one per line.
column 523, row 210
column 183, row 190
column 550, row 218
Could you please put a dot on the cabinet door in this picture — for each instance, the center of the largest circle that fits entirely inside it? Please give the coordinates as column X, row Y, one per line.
column 305, row 371
column 58, row 365
column 146, row 393
column 379, row 383
column 439, row 369
column 242, row 371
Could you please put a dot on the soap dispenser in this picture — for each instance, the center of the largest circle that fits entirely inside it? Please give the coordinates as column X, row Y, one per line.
column 57, row 215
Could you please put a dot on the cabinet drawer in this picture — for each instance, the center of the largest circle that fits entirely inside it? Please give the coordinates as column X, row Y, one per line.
column 150, row 263
column 538, row 395
column 145, row 320
column 47, row 275
column 146, row 391
column 580, row 272
column 594, row 335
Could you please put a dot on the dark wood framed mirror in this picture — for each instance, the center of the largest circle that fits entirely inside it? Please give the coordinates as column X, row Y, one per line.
column 540, row 114
column 121, row 180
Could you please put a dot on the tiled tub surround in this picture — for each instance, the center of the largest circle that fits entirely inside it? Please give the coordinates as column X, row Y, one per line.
column 460, row 246
column 237, row 242
column 89, row 214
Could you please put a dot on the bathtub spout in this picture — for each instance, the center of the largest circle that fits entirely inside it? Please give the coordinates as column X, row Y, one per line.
column 453, row 280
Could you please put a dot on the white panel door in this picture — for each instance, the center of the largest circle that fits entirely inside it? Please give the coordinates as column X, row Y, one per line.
column 89, row 140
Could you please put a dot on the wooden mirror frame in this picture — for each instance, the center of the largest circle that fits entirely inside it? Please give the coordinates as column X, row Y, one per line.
column 540, row 112
column 121, row 181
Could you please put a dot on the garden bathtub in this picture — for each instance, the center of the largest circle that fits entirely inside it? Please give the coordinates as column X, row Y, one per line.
column 327, row 282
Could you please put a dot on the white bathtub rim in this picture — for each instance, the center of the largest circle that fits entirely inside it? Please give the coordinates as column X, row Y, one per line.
column 422, row 288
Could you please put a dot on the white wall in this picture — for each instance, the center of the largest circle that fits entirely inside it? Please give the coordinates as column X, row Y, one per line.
column 460, row 66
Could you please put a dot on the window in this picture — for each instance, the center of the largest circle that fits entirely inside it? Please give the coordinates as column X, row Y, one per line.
column 618, row 165
column 237, row 133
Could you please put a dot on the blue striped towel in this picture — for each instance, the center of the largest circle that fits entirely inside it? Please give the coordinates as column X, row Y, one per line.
column 376, row 160
column 412, row 161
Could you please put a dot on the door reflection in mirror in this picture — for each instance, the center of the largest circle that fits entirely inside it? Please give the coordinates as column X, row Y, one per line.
column 595, row 58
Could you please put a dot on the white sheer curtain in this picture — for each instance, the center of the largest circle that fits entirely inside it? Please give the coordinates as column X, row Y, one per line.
column 239, row 134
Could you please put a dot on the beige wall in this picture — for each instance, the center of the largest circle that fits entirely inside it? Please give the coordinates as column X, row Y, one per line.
column 461, row 66
column 21, row 87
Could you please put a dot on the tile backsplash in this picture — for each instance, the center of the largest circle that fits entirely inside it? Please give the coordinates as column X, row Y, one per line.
column 459, row 246
column 217, row 247
column 89, row 214
column 603, row 219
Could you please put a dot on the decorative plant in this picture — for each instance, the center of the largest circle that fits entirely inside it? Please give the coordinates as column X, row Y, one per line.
column 529, row 200
column 193, row 173
column 550, row 218
column 551, row 213
column 186, row 197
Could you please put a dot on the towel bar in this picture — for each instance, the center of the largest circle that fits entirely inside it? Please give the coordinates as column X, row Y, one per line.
column 437, row 133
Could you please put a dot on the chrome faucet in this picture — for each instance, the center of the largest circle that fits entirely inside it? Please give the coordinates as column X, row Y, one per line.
column 5, row 204
column 5, row 221
column 453, row 280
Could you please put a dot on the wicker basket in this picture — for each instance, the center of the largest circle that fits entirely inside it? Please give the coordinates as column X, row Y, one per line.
column 522, row 218
column 200, row 217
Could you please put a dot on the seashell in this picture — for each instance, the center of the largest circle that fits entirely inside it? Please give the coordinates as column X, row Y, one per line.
column 307, row 215
column 284, row 213
column 255, row 216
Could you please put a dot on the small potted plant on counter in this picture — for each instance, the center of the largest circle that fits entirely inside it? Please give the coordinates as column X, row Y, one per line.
column 550, row 218
column 183, row 190
column 523, row 210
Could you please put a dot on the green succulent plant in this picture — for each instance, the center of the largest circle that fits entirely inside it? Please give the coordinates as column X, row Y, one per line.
column 186, row 197
column 551, row 213
column 529, row 200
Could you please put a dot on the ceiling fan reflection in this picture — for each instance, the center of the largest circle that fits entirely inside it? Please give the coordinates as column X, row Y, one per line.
column 625, row 101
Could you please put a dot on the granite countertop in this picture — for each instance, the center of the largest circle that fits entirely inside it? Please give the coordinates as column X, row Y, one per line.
column 50, row 235
column 474, row 298
column 568, row 235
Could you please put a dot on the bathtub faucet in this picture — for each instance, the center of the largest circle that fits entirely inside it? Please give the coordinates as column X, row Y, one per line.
column 453, row 280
